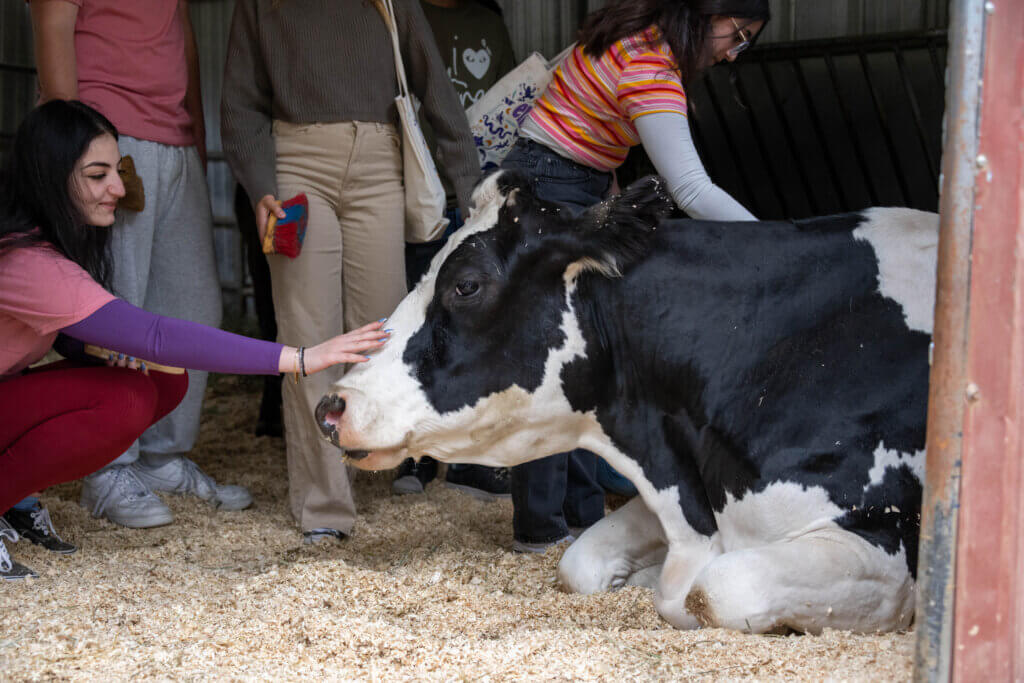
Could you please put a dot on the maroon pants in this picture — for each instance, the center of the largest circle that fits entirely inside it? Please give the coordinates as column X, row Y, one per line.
column 63, row 421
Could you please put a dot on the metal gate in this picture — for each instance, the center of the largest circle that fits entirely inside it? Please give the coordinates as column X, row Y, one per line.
column 817, row 127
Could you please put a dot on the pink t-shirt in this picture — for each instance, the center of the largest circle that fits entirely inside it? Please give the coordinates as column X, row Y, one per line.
column 41, row 292
column 130, row 56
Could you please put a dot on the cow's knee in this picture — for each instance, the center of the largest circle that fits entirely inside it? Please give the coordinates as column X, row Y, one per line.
column 609, row 553
column 585, row 569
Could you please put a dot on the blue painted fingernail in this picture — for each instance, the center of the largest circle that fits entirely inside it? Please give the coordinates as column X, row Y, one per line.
column 383, row 320
column 131, row 358
column 142, row 366
column 388, row 331
column 110, row 356
column 120, row 356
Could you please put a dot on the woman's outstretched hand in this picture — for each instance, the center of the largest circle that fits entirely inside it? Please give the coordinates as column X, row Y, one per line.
column 345, row 348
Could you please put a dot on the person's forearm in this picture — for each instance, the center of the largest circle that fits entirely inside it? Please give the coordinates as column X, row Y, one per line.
column 171, row 341
column 667, row 141
column 53, row 29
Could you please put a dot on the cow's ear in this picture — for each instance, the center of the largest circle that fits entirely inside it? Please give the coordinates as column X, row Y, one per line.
column 619, row 228
column 499, row 187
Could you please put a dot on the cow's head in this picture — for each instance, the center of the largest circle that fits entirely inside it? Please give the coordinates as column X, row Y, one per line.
column 473, row 369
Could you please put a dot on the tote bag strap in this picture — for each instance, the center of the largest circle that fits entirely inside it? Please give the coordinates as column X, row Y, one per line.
column 387, row 12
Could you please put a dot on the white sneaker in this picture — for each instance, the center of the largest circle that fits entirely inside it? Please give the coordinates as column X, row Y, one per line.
column 115, row 492
column 181, row 475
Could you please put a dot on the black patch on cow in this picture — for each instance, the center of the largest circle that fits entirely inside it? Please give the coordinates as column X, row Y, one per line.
column 480, row 337
column 889, row 514
column 499, row 297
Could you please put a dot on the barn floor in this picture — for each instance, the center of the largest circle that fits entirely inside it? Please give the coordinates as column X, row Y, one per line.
column 425, row 589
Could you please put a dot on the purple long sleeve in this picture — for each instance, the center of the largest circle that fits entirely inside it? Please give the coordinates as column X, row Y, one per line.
column 171, row 341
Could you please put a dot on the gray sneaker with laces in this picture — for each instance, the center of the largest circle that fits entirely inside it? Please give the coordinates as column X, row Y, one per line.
column 9, row 569
column 117, row 493
column 180, row 475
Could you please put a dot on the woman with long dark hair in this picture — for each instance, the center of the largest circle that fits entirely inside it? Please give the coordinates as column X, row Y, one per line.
column 64, row 420
column 624, row 84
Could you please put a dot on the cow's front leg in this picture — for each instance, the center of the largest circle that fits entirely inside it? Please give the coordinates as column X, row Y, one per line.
column 682, row 564
column 613, row 551
column 828, row 578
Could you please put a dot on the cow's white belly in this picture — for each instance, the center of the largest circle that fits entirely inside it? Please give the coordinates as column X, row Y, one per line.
column 782, row 511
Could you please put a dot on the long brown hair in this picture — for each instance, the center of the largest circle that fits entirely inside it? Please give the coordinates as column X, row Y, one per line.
column 685, row 25
column 36, row 205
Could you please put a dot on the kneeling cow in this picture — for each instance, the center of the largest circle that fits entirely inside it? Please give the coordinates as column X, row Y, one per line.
column 764, row 386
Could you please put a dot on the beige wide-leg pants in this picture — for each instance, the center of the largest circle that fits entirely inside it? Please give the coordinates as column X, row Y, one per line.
column 351, row 271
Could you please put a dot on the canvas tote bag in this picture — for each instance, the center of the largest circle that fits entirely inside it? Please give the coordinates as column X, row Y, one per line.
column 494, row 119
column 424, row 194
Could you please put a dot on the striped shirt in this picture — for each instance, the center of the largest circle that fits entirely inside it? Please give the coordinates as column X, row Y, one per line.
column 591, row 104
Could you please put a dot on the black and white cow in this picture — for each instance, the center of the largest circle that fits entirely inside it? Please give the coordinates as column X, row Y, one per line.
column 764, row 386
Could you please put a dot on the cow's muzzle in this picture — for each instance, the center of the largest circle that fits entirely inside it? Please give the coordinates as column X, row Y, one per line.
column 328, row 413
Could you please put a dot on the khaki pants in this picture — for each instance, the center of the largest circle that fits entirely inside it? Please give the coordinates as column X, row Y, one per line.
column 351, row 271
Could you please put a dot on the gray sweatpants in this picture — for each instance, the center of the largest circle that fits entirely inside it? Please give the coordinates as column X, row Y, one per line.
column 164, row 262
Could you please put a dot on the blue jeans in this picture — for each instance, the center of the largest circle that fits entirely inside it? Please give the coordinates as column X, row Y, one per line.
column 554, row 493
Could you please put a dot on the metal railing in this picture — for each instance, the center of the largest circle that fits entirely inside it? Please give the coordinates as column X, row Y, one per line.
column 821, row 126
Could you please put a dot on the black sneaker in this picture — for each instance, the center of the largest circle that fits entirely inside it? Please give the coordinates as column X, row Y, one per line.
column 9, row 569
column 479, row 481
column 35, row 525
column 413, row 476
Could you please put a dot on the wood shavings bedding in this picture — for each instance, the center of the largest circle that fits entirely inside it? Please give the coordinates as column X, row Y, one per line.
column 425, row 589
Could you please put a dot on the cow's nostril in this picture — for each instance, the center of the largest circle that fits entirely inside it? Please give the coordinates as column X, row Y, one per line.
column 328, row 413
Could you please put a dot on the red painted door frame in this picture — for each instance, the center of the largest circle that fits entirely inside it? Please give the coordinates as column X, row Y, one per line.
column 988, row 608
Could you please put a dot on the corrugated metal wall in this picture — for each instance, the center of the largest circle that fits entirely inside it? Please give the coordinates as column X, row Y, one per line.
column 17, row 78
column 545, row 26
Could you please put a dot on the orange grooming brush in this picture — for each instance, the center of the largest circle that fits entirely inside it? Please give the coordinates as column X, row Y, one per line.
column 285, row 236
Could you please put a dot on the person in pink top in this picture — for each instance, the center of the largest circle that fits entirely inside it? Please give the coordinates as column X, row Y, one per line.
column 64, row 420
column 136, row 62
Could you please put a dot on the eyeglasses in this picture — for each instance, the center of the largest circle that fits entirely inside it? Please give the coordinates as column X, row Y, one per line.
column 745, row 39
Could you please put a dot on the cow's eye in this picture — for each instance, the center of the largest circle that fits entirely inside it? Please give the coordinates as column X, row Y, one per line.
column 466, row 287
